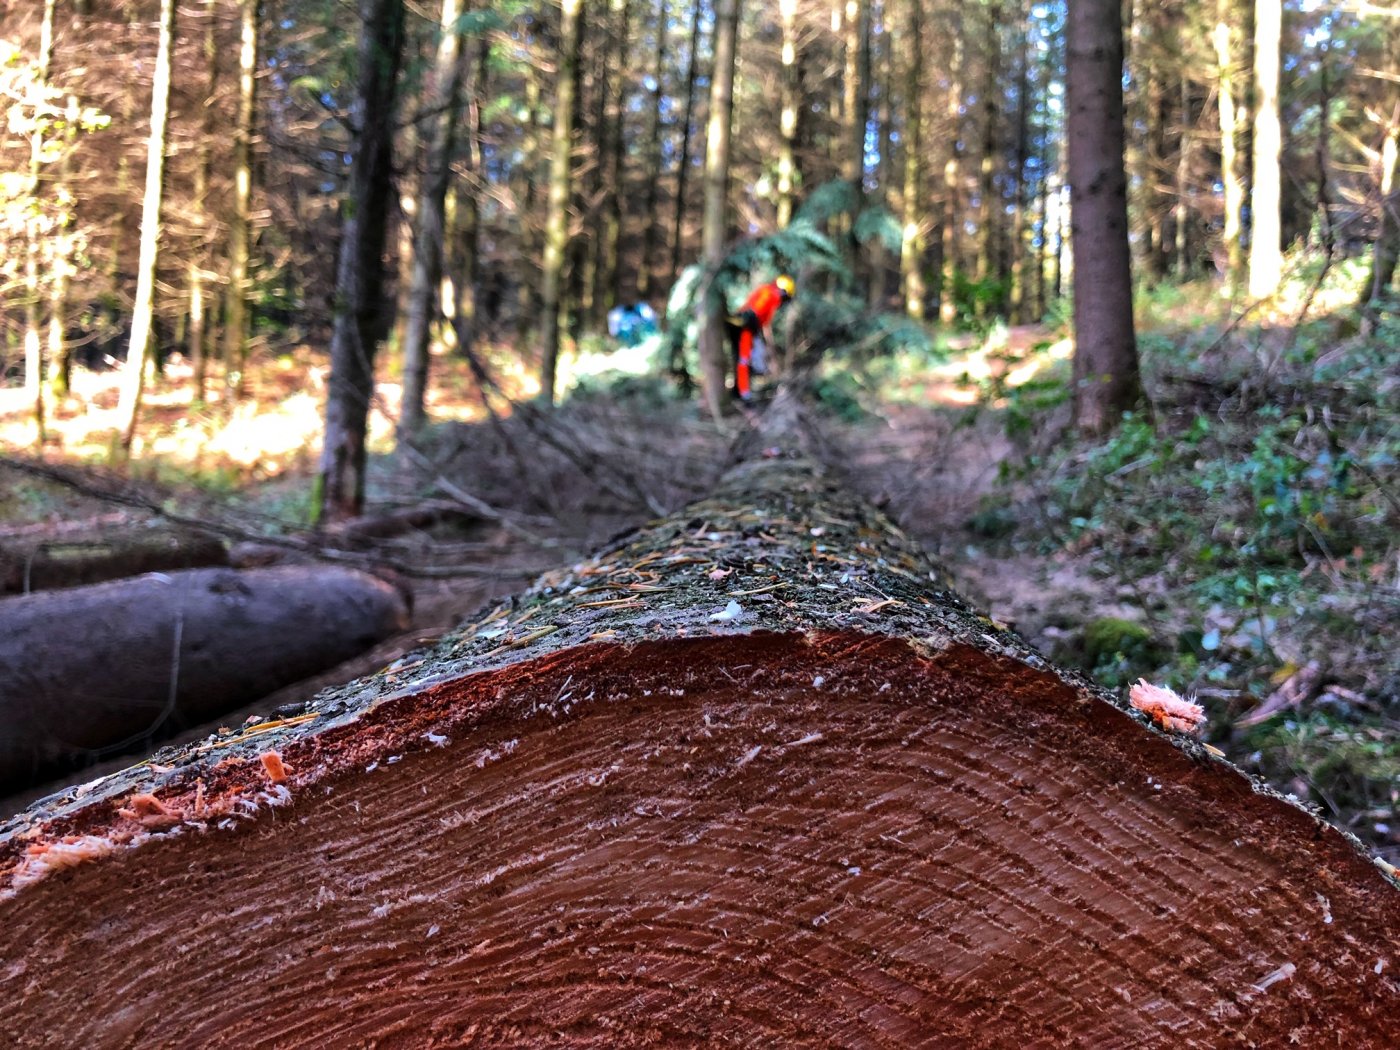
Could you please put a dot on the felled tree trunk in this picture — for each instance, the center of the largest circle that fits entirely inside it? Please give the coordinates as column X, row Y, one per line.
column 39, row 561
column 96, row 669
column 751, row 776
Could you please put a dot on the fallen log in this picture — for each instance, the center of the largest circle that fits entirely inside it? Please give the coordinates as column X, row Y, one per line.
column 35, row 561
column 752, row 775
column 94, row 669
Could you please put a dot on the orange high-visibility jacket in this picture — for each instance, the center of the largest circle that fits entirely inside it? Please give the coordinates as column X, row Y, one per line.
column 764, row 302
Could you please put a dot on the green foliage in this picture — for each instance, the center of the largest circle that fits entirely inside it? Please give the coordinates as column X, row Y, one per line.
column 878, row 224
column 1117, row 652
column 838, row 392
column 479, row 22
column 643, row 392
column 832, row 317
column 1267, row 497
column 977, row 303
column 1348, row 767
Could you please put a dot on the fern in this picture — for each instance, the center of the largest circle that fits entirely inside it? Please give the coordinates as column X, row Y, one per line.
column 834, row 320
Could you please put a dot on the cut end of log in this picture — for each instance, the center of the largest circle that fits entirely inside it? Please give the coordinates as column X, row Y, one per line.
column 771, row 838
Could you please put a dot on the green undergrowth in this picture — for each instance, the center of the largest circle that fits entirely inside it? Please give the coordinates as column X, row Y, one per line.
column 1252, row 518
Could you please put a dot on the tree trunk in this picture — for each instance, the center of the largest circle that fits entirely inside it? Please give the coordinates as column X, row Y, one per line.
column 856, row 111
column 1385, row 251
column 58, row 350
column 697, row 791
column 1041, row 255
column 143, row 310
column 461, row 311
column 646, row 286
column 34, row 248
column 556, row 234
column 911, row 253
column 1325, row 88
column 444, row 101
column 197, row 341
column 1184, row 156
column 988, row 193
column 360, row 323
column 240, row 232
column 1106, row 380
column 1265, row 232
column 712, row 350
column 612, row 162
column 788, row 89
column 1229, row 153
column 592, row 136
column 683, row 158
column 882, row 115
column 952, row 181
column 171, row 650
column 1020, row 219
column 529, row 274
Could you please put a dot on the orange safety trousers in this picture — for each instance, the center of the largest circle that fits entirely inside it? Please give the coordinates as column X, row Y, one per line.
column 742, row 383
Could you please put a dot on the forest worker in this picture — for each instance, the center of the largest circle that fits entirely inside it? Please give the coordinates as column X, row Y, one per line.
column 755, row 317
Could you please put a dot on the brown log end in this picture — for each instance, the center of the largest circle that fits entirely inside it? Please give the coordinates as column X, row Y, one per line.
column 762, row 839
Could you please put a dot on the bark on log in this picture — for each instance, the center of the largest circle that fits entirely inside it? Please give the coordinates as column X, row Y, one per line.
column 37, row 561
column 751, row 776
column 90, row 669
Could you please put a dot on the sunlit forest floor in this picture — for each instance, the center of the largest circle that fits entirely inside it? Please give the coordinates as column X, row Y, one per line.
column 1242, row 545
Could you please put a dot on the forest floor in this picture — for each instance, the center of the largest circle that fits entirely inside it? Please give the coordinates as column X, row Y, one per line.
column 1193, row 551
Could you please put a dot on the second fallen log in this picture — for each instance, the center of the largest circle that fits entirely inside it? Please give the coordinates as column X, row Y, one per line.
column 85, row 670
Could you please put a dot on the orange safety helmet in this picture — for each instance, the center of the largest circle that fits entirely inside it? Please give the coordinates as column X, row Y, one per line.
column 786, row 285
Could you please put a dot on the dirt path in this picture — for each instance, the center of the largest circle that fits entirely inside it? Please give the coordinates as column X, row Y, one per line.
column 933, row 463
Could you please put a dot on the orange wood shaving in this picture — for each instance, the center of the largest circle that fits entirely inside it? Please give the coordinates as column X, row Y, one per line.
column 274, row 767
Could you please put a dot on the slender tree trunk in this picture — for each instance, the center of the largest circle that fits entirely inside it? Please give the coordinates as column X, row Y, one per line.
column 461, row 307
column 911, row 254
column 646, row 274
column 444, row 101
column 58, row 351
column 1325, row 89
column 1385, row 252
column 1184, row 156
column 1229, row 152
column 556, row 235
column 1042, row 254
column 240, row 228
column 143, row 311
column 788, row 86
column 988, row 196
column 197, row 342
column 856, row 107
column 528, row 271
column 952, row 179
column 683, row 158
column 1266, row 235
column 614, row 167
column 592, row 136
column 1106, row 380
column 882, row 84
column 34, row 248
column 712, row 350
column 360, row 323
column 1019, row 294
